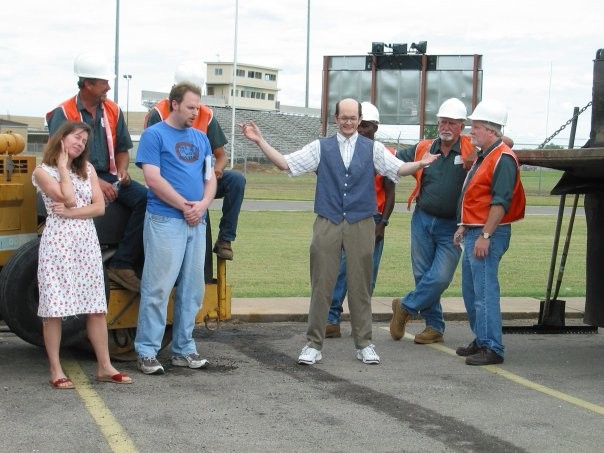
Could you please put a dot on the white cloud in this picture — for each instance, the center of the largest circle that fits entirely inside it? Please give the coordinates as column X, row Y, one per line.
column 523, row 44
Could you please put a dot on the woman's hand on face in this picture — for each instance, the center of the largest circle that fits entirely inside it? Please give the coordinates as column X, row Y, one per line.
column 63, row 156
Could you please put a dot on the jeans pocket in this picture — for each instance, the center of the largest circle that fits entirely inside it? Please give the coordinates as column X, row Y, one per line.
column 160, row 219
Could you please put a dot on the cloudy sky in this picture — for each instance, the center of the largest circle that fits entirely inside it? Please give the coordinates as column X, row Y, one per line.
column 537, row 59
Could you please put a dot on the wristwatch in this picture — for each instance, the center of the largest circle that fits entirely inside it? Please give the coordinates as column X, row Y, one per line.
column 384, row 221
column 486, row 235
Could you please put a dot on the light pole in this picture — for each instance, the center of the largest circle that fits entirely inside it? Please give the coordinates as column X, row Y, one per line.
column 127, row 77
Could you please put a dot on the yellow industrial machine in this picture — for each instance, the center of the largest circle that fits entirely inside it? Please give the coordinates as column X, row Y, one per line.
column 21, row 222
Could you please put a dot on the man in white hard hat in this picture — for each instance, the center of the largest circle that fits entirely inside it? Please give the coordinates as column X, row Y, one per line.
column 109, row 156
column 345, row 165
column 434, row 256
column 231, row 184
column 385, row 198
column 492, row 198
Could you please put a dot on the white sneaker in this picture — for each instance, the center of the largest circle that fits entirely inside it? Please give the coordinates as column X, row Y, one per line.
column 192, row 360
column 309, row 356
column 368, row 355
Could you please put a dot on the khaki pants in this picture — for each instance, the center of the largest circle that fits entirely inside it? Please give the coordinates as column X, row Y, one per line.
column 357, row 240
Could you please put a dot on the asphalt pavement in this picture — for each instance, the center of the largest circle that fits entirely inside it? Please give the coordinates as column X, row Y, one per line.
column 547, row 396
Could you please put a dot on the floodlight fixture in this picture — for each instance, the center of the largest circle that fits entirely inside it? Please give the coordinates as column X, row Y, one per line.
column 420, row 47
column 377, row 48
column 399, row 49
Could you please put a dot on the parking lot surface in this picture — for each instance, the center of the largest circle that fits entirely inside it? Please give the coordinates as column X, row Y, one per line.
column 548, row 395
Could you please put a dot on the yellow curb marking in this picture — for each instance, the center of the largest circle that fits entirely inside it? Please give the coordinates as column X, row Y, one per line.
column 114, row 434
column 520, row 380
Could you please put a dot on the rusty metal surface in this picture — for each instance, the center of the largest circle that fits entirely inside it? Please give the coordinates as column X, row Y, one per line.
column 584, row 162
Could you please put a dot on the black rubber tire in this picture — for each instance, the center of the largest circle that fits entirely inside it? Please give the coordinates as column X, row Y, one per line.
column 19, row 299
column 121, row 343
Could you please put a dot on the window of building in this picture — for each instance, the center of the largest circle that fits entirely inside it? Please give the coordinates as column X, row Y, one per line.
column 270, row 77
column 240, row 72
column 218, row 71
column 254, row 75
column 271, row 97
column 210, row 91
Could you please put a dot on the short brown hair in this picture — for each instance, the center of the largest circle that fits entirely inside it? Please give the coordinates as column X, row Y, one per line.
column 178, row 91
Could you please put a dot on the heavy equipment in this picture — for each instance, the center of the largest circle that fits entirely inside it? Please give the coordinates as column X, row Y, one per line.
column 22, row 218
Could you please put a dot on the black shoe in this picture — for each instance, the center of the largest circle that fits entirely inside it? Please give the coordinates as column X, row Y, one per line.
column 470, row 349
column 484, row 357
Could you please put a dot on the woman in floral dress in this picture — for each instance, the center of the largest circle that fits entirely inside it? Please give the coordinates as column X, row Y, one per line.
column 70, row 269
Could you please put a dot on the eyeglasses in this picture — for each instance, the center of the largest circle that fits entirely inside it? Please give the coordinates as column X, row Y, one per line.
column 348, row 119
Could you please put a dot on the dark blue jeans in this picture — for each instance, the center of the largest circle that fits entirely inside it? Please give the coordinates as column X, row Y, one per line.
column 434, row 258
column 480, row 287
column 129, row 254
column 231, row 187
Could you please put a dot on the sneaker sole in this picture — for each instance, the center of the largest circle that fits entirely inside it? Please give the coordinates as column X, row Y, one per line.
column 187, row 365
column 153, row 372
column 370, row 362
column 309, row 362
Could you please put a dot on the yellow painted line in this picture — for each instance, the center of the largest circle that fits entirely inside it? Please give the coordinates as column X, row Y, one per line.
column 520, row 380
column 114, row 434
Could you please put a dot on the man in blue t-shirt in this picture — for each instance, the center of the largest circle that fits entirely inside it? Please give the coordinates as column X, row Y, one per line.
column 177, row 165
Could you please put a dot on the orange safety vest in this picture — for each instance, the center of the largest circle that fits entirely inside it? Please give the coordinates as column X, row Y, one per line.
column 380, row 193
column 204, row 116
column 476, row 201
column 71, row 112
column 466, row 149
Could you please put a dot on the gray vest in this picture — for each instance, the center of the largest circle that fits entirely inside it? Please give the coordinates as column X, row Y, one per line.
column 345, row 193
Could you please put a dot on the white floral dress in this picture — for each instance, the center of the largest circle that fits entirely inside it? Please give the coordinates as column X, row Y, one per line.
column 70, row 267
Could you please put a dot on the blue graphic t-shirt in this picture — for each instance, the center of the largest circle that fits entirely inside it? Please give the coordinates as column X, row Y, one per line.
column 181, row 155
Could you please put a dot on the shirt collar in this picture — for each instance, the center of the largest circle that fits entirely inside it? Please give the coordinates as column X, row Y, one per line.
column 352, row 139
column 456, row 148
column 483, row 153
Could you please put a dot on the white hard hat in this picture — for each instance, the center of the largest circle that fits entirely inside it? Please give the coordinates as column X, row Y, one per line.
column 490, row 110
column 452, row 108
column 189, row 72
column 90, row 66
column 370, row 112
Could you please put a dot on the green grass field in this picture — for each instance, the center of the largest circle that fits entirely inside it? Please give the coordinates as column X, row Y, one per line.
column 271, row 251
column 271, row 257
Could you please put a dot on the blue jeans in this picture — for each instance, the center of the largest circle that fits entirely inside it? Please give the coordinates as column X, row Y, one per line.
column 231, row 187
column 480, row 287
column 129, row 253
column 174, row 254
column 340, row 290
column 434, row 258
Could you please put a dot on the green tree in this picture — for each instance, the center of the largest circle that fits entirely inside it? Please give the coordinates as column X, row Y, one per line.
column 430, row 131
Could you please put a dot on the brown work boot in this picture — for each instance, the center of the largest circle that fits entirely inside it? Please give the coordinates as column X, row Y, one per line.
column 400, row 317
column 429, row 335
column 125, row 277
column 332, row 331
column 470, row 349
column 223, row 249
column 484, row 356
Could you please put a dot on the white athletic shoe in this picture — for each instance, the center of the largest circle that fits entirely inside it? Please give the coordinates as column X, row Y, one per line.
column 309, row 356
column 368, row 355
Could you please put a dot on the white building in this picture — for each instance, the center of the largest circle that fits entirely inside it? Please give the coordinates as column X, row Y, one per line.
column 256, row 86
